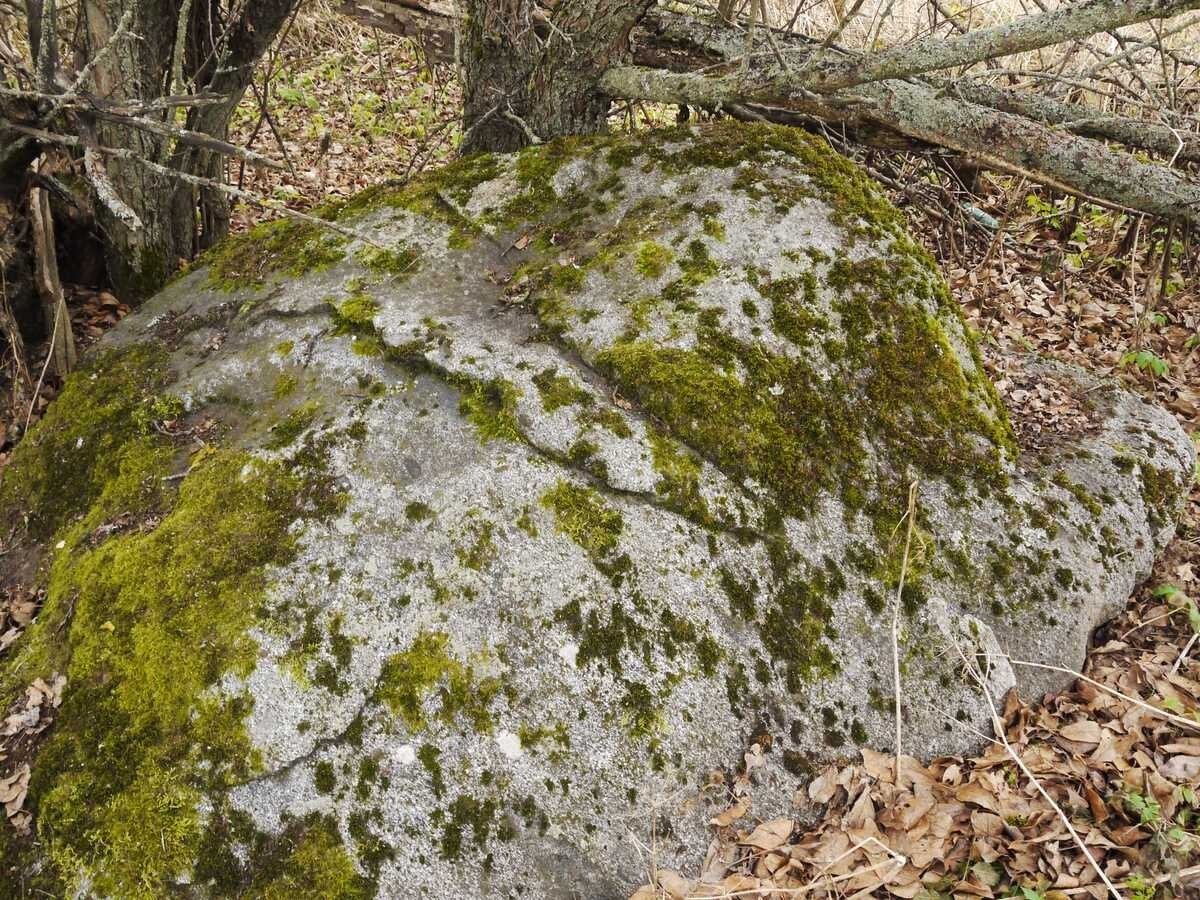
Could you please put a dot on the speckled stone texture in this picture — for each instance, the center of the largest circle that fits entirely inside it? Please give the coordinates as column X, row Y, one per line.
column 633, row 426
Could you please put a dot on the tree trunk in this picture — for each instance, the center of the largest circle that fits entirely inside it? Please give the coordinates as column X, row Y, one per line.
column 531, row 75
column 144, row 252
column 61, row 350
column 172, row 220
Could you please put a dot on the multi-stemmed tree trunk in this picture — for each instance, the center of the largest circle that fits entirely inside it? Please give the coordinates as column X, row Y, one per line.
column 175, row 47
column 529, row 76
column 141, row 93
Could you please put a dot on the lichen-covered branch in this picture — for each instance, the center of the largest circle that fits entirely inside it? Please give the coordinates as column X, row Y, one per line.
column 1005, row 141
column 780, row 79
column 1183, row 146
column 1068, row 22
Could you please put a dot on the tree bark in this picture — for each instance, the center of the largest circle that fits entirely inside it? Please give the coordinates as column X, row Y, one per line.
column 531, row 75
column 54, row 304
column 174, row 219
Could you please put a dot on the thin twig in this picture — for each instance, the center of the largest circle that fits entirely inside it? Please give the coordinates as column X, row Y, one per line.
column 998, row 727
column 1161, row 713
column 911, row 514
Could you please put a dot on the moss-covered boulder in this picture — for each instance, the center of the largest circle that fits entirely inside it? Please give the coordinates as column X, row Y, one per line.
column 440, row 560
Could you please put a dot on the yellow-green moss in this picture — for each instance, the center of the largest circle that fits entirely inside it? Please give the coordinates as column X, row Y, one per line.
column 491, row 406
column 652, row 259
column 465, row 813
column 858, row 205
column 793, row 631
column 1079, row 492
column 481, row 551
column 679, row 481
column 443, row 194
column 282, row 247
column 309, row 863
column 285, row 432
column 427, row 667
column 802, row 431
column 401, row 264
column 608, row 419
column 144, row 625
column 98, row 435
column 416, row 511
column 558, row 390
column 582, row 515
column 1162, row 493
column 357, row 312
column 285, row 385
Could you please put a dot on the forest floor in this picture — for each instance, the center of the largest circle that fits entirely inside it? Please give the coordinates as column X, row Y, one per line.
column 1096, row 783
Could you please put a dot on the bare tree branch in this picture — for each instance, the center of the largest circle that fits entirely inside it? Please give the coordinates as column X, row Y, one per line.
column 1009, row 142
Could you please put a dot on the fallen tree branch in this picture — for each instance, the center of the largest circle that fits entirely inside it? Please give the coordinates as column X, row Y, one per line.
column 1011, row 143
column 1082, row 120
column 680, row 43
column 1069, row 21
column 920, row 111
column 433, row 23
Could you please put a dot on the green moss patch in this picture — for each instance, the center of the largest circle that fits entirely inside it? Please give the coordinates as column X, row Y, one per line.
column 282, row 247
column 558, row 391
column 802, row 428
column 652, row 259
column 679, row 482
column 582, row 515
column 401, row 264
column 307, row 861
column 144, row 626
column 427, row 669
column 96, row 438
column 490, row 406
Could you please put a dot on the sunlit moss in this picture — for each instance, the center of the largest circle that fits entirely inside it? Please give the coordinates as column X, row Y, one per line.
column 558, row 391
column 490, row 406
column 652, row 259
column 100, row 426
column 401, row 263
column 282, row 247
column 426, row 669
column 582, row 515
column 144, row 625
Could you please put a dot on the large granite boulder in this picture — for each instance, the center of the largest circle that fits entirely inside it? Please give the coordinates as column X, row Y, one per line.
column 441, row 555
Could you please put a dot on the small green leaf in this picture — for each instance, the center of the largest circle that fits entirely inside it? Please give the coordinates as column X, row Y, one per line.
column 988, row 875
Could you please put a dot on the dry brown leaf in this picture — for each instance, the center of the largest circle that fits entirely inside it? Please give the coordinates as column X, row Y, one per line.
column 731, row 814
column 1181, row 768
column 824, row 786
column 974, row 793
column 1084, row 731
column 676, row 886
column 769, row 835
